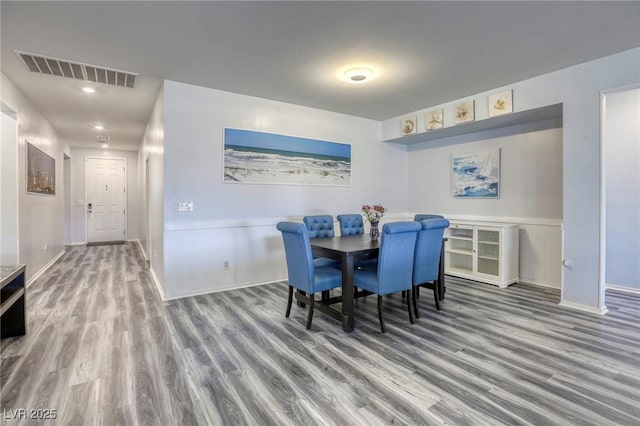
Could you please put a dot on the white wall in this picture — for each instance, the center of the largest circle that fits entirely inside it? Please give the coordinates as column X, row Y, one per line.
column 152, row 224
column 8, row 191
column 236, row 222
column 530, row 189
column 578, row 89
column 40, row 217
column 78, row 202
column 621, row 140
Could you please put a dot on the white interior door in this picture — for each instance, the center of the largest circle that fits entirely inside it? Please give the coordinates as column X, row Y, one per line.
column 106, row 200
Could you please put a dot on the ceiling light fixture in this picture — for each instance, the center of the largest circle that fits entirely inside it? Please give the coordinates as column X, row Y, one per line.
column 358, row 75
column 88, row 90
column 98, row 127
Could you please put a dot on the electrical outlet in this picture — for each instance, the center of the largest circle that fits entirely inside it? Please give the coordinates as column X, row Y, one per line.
column 184, row 206
column 226, row 265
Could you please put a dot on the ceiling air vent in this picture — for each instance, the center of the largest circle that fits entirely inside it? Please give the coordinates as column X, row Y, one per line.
column 64, row 68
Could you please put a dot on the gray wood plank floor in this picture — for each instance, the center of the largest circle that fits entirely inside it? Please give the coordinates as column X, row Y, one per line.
column 103, row 349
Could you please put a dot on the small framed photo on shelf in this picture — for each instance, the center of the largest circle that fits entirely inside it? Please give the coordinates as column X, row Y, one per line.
column 464, row 112
column 409, row 125
column 500, row 103
column 434, row 119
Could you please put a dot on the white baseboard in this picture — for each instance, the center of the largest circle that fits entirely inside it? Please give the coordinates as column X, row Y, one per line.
column 144, row 253
column 44, row 268
column 77, row 243
column 622, row 288
column 540, row 284
column 155, row 279
column 584, row 308
column 218, row 290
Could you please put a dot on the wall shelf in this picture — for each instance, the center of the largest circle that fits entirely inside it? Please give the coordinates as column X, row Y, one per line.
column 529, row 116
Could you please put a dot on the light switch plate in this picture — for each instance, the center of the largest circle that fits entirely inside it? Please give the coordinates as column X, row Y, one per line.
column 184, row 206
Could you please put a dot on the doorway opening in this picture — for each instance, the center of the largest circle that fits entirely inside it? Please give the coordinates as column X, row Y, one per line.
column 620, row 191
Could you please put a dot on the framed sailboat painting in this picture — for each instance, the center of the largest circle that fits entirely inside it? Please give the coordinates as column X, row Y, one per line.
column 476, row 174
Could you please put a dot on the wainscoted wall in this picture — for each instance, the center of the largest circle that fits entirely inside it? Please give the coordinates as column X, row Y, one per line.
column 225, row 223
column 578, row 88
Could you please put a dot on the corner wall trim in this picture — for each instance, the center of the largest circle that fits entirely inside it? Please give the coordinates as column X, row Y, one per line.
column 584, row 308
column 622, row 288
column 45, row 267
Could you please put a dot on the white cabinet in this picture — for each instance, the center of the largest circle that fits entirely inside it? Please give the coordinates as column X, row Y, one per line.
column 486, row 252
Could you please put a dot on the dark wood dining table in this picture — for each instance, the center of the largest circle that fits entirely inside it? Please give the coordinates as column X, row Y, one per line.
column 348, row 250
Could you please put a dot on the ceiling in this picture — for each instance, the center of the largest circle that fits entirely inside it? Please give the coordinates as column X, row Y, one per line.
column 423, row 53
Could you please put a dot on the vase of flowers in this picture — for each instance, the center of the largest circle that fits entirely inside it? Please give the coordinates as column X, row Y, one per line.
column 374, row 214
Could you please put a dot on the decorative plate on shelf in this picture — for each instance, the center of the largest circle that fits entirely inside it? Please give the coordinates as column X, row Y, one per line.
column 409, row 125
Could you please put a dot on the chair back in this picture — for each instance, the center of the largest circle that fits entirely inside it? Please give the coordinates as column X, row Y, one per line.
column 422, row 216
column 395, row 260
column 351, row 224
column 298, row 253
column 319, row 226
column 427, row 255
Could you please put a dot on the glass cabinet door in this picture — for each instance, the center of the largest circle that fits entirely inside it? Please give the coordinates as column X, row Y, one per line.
column 488, row 251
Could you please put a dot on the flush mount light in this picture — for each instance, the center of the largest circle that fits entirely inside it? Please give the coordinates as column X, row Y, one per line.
column 88, row 90
column 98, row 127
column 358, row 75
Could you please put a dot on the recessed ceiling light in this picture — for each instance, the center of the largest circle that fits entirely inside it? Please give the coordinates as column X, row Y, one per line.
column 98, row 127
column 88, row 90
column 105, row 145
column 358, row 75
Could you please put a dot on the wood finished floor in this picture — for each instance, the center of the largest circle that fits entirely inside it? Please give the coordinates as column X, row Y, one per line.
column 103, row 349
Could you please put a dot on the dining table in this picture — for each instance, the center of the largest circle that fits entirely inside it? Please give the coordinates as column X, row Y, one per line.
column 348, row 250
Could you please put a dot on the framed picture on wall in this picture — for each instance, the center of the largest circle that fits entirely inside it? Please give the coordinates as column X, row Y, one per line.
column 41, row 171
column 269, row 158
column 476, row 174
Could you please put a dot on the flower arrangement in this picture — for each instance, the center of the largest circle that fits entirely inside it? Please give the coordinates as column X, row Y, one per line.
column 373, row 213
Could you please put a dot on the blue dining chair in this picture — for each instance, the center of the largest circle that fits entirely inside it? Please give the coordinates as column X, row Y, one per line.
column 350, row 224
column 321, row 226
column 353, row 224
column 426, row 261
column 395, row 265
column 303, row 275
column 423, row 216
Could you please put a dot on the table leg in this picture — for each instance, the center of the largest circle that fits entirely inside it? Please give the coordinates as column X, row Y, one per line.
column 347, row 293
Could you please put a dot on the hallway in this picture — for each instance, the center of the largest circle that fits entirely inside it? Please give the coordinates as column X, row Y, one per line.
column 102, row 348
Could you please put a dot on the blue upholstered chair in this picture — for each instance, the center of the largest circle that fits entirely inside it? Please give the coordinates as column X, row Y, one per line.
column 303, row 275
column 427, row 258
column 351, row 224
column 422, row 216
column 395, row 264
column 321, row 226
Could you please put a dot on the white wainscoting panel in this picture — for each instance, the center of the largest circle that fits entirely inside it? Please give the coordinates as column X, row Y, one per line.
column 541, row 255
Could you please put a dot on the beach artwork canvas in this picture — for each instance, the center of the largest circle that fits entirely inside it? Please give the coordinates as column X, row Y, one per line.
column 41, row 171
column 476, row 174
column 268, row 158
